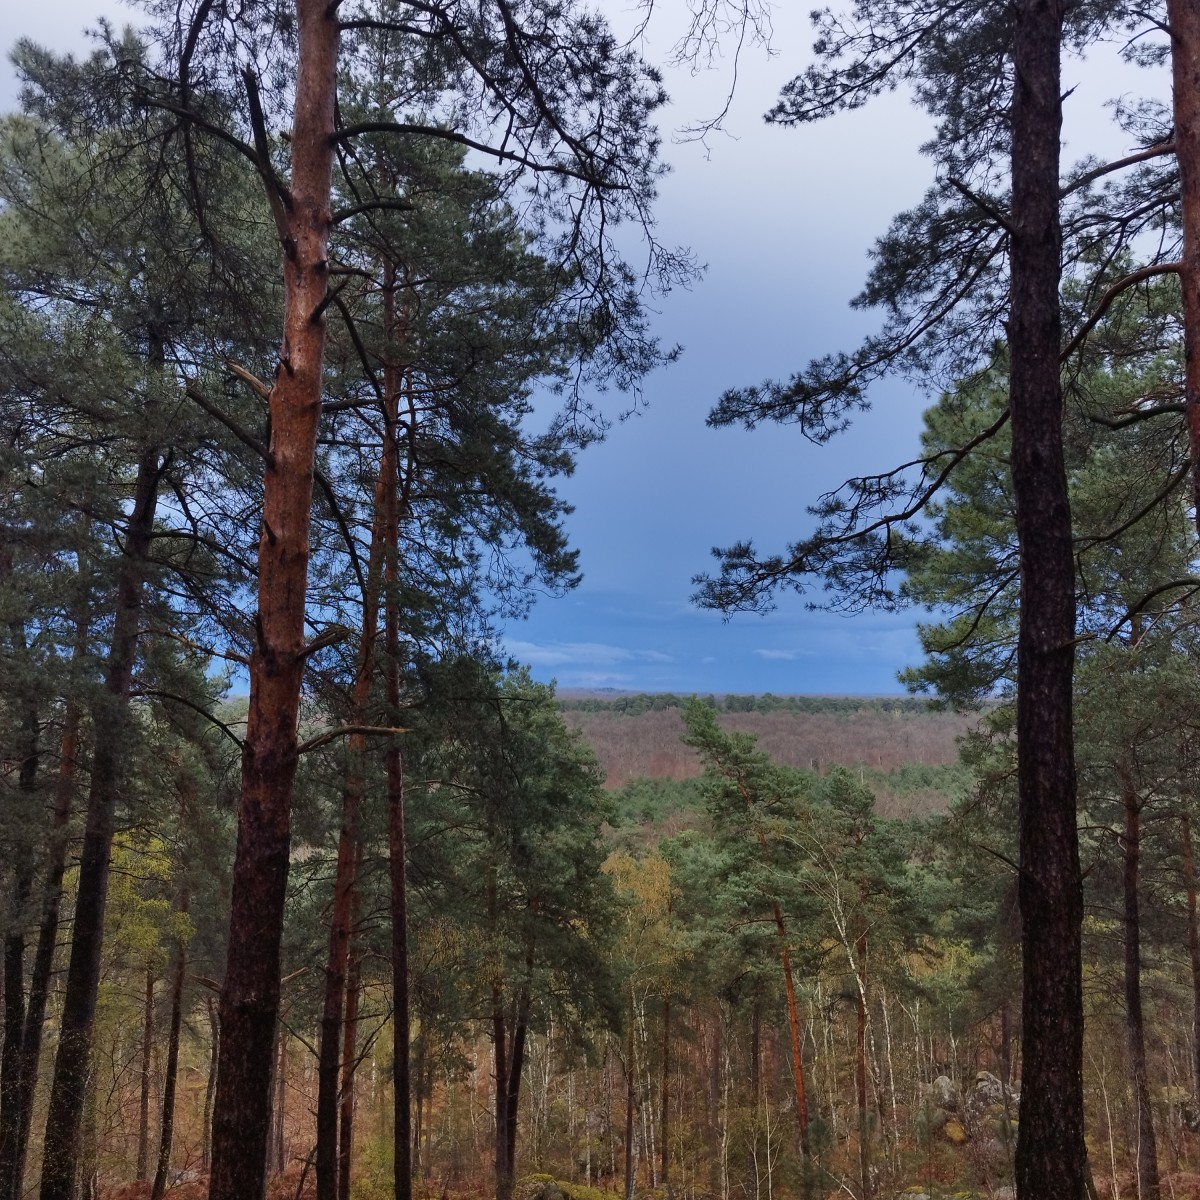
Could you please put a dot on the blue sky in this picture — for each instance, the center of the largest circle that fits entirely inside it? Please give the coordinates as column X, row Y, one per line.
column 783, row 220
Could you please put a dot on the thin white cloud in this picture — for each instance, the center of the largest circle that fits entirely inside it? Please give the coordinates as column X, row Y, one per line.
column 779, row 655
column 581, row 654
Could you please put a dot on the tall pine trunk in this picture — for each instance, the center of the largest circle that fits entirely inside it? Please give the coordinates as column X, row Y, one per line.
column 347, row 855
column 350, row 1051
column 250, row 995
column 1145, row 1149
column 1183, row 18
column 12, row 1100
column 43, row 957
column 61, row 1146
column 1051, row 1160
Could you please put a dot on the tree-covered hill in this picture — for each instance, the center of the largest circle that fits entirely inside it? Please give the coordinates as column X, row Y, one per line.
column 637, row 736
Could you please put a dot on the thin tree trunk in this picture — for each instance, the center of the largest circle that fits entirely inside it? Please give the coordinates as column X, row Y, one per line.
column 1051, row 1160
column 500, row 1060
column 350, row 1047
column 143, row 1145
column 347, row 856
column 630, row 1110
column 860, row 1067
column 278, row 1151
column 793, row 1030
column 714, row 1107
column 397, row 858
column 1145, row 1149
column 1189, row 879
column 43, row 958
column 61, row 1145
column 665, row 1099
column 397, row 839
column 250, row 996
column 513, row 1076
column 167, row 1126
column 210, row 1086
column 11, row 1098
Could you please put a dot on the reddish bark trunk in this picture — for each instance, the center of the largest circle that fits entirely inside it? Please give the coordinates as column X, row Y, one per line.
column 61, row 1145
column 250, row 995
column 1051, row 1161
column 793, row 1030
column 352, row 792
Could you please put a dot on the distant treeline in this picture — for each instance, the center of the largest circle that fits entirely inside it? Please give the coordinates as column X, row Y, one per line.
column 635, row 704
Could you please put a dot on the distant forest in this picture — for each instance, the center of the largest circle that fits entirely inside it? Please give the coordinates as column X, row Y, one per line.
column 638, row 736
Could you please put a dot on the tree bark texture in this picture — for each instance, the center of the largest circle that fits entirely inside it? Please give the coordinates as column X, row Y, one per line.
column 250, row 995
column 1183, row 18
column 1145, row 1149
column 61, row 1146
column 1051, row 1160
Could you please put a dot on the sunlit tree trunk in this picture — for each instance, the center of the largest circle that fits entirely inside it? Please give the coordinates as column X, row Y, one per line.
column 250, row 995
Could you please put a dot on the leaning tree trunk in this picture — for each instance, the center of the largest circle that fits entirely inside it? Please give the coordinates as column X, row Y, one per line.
column 1051, row 1160
column 1144, row 1146
column 61, row 1146
column 250, row 995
